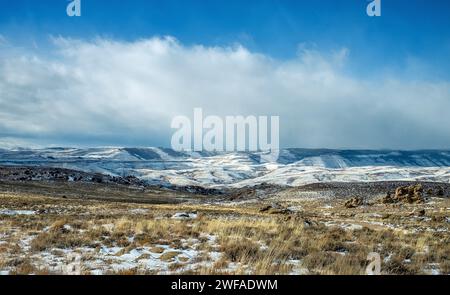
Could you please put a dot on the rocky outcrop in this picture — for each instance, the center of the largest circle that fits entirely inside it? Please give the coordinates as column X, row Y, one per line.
column 12, row 173
column 412, row 194
column 353, row 202
column 275, row 209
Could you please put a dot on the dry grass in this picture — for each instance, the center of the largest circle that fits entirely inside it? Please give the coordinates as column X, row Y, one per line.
column 246, row 240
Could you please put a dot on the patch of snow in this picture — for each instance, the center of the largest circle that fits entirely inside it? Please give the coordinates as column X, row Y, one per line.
column 16, row 212
column 298, row 269
column 184, row 215
column 139, row 211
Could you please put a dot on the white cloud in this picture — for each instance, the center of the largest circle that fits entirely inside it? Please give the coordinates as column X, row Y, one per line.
column 126, row 93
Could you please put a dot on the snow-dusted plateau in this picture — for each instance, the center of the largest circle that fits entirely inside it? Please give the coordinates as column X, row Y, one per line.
column 294, row 167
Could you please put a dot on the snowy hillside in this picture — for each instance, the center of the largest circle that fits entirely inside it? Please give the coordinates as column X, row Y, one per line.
column 294, row 166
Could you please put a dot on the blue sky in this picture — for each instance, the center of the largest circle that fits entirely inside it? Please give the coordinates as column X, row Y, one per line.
column 417, row 29
column 376, row 67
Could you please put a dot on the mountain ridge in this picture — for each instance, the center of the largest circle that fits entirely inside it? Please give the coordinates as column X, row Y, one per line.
column 294, row 167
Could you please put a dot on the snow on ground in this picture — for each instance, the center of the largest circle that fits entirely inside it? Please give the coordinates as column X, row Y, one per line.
column 184, row 215
column 16, row 212
column 294, row 175
column 159, row 258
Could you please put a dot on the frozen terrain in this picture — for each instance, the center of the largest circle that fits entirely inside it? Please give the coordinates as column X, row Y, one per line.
column 294, row 167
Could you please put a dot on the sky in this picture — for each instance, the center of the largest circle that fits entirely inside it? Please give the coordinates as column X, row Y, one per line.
column 120, row 72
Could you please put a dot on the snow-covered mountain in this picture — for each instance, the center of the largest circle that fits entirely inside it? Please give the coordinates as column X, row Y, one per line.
column 294, row 166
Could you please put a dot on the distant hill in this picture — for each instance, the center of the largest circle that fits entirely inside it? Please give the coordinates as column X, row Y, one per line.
column 294, row 166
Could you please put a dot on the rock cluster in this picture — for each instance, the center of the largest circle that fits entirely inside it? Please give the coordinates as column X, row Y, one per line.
column 61, row 174
column 412, row 194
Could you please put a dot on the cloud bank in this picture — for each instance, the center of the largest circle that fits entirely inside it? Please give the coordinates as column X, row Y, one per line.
column 109, row 92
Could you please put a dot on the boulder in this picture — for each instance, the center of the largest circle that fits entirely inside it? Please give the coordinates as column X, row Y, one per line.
column 353, row 202
column 412, row 194
column 388, row 199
